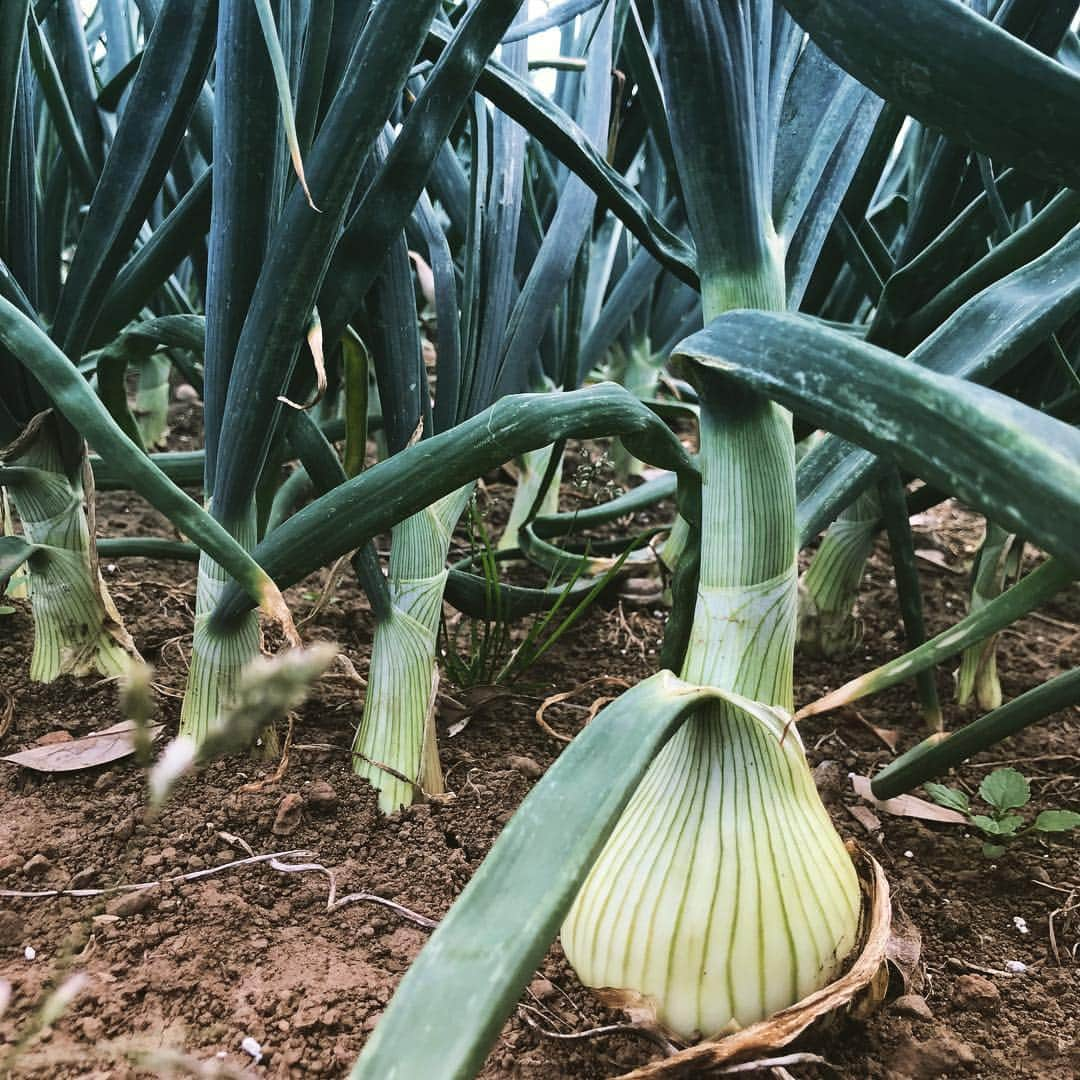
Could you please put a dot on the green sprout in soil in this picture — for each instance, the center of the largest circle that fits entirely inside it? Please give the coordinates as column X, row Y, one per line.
column 1004, row 791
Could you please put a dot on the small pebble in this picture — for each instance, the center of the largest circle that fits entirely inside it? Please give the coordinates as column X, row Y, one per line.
column 526, row 766
column 251, row 1047
column 1017, row 967
column 36, row 866
column 1021, row 924
column 288, row 814
column 977, row 994
column 322, row 797
column 30, row 952
column 131, row 903
column 543, row 989
column 912, row 1005
column 84, row 879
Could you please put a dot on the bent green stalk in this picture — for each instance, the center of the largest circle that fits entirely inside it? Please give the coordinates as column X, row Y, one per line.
column 395, row 747
column 829, row 589
column 77, row 629
column 999, row 559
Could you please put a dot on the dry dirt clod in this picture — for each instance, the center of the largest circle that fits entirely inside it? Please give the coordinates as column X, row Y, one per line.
column 288, row 814
column 542, row 989
column 11, row 928
column 913, row 1006
column 53, row 737
column 528, row 768
column 85, row 878
column 37, row 866
column 1042, row 1045
column 322, row 797
column 977, row 994
column 945, row 1056
column 92, row 1028
column 132, row 903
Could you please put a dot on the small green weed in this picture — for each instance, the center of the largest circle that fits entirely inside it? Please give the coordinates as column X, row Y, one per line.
column 1004, row 791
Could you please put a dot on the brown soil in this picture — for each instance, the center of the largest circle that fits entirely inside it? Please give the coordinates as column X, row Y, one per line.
column 193, row 968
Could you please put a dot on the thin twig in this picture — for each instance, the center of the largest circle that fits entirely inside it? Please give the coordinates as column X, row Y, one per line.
column 192, row 876
column 638, row 1030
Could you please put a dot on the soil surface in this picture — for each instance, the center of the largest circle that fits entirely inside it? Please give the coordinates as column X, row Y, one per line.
column 176, row 978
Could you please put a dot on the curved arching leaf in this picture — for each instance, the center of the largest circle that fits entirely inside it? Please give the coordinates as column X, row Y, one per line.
column 975, row 343
column 392, row 490
column 449, row 1007
column 955, row 70
column 74, row 398
column 1018, row 466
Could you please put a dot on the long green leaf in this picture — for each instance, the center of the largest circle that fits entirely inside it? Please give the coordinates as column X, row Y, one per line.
column 563, row 138
column 1019, row 467
column 52, row 88
column 68, row 37
column 246, row 190
column 936, row 756
column 570, row 226
column 449, row 1007
column 974, row 343
column 163, row 94
column 404, row 484
column 894, row 513
column 386, row 205
column 12, row 39
column 956, row 71
column 303, row 243
column 150, row 266
column 1026, row 595
column 77, row 402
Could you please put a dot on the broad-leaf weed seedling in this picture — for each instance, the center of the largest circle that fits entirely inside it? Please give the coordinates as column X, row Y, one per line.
column 1004, row 791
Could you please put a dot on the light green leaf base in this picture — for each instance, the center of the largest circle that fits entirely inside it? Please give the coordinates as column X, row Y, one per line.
column 395, row 747
column 218, row 656
column 532, row 466
column 77, row 629
column 829, row 589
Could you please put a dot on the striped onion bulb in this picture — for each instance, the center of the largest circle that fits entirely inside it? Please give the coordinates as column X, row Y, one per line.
column 724, row 892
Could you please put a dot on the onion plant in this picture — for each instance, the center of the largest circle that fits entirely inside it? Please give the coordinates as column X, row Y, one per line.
column 997, row 562
column 310, row 151
column 918, row 413
column 48, row 102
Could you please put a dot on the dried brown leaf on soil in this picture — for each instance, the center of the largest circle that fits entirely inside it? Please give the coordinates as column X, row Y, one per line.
column 907, row 805
column 100, row 748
